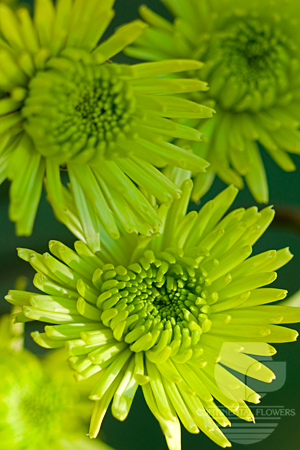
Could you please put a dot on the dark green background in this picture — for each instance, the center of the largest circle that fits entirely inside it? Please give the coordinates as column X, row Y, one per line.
column 141, row 430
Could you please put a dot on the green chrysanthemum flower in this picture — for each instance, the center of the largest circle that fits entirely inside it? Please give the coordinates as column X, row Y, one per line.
column 39, row 408
column 163, row 311
column 66, row 106
column 251, row 52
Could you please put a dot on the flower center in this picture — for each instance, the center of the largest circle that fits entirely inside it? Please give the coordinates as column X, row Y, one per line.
column 158, row 295
column 78, row 106
column 37, row 409
column 42, row 406
column 252, row 49
column 248, row 65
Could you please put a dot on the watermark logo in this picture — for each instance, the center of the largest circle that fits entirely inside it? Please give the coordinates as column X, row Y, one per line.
column 241, row 377
column 267, row 418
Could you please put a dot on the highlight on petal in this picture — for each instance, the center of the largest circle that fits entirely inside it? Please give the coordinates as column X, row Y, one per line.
column 65, row 106
column 174, row 313
column 250, row 60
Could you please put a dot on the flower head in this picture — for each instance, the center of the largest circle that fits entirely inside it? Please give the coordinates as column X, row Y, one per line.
column 163, row 311
column 66, row 106
column 251, row 53
column 40, row 407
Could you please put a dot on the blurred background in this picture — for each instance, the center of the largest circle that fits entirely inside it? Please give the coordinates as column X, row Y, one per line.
column 140, row 430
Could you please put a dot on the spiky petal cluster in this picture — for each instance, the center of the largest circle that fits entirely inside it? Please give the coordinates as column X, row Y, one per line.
column 64, row 105
column 251, row 52
column 39, row 407
column 162, row 312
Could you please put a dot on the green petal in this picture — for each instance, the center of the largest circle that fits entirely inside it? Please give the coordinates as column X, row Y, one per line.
column 170, row 428
column 100, row 408
column 167, row 86
column 159, row 68
column 43, row 20
column 124, row 394
column 124, row 36
column 85, row 177
column 154, row 19
column 111, row 373
column 10, row 28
